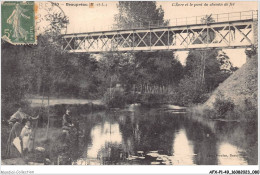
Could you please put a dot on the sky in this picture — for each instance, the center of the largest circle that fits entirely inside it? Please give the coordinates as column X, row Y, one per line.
column 83, row 18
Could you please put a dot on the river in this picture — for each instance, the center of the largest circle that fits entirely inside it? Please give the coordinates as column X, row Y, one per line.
column 165, row 135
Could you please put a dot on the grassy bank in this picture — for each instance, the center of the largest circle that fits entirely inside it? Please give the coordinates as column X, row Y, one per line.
column 37, row 101
column 224, row 109
column 240, row 88
column 236, row 97
column 54, row 142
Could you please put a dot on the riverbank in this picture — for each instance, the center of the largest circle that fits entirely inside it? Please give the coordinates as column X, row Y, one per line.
column 37, row 101
column 236, row 98
column 53, row 142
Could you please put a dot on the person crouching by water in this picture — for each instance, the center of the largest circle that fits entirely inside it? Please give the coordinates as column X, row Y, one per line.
column 67, row 124
column 27, row 138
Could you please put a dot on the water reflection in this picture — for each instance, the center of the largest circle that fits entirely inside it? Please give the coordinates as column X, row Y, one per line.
column 230, row 155
column 144, row 136
column 102, row 135
column 182, row 149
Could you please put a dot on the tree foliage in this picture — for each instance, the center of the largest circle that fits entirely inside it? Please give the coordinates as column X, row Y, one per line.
column 204, row 71
column 138, row 12
column 144, row 68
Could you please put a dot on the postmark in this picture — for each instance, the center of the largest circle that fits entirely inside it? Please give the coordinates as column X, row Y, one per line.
column 50, row 18
column 18, row 22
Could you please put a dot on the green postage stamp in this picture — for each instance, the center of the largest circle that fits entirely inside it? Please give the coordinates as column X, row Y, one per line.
column 18, row 22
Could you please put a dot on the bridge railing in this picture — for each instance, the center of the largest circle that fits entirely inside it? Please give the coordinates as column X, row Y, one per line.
column 214, row 18
column 211, row 18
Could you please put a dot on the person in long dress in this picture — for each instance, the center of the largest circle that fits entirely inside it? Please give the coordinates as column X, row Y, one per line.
column 27, row 137
column 12, row 151
column 16, row 122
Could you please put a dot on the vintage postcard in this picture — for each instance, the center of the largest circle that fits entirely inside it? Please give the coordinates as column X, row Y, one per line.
column 129, row 83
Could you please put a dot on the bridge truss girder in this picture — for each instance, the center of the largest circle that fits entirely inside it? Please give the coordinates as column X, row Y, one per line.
column 218, row 35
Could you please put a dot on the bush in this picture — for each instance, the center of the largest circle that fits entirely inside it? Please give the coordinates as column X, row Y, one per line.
column 132, row 98
column 115, row 99
column 250, row 111
column 190, row 91
column 152, row 99
column 223, row 106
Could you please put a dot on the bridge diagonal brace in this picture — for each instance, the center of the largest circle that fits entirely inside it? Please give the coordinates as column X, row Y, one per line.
column 125, row 40
column 68, row 43
column 83, row 40
column 246, row 35
column 182, row 38
column 242, row 34
column 247, row 32
column 188, row 34
column 141, row 39
column 221, row 36
column 120, row 39
column 159, row 38
column 182, row 43
column 104, row 43
column 198, row 37
column 204, row 38
column 91, row 43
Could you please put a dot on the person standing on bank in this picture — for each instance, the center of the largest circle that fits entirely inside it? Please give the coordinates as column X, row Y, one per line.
column 27, row 137
column 12, row 151
column 67, row 123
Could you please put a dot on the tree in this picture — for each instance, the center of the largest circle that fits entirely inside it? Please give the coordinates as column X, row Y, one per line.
column 194, row 86
column 201, row 64
column 12, row 90
column 136, row 13
column 146, row 69
column 158, row 68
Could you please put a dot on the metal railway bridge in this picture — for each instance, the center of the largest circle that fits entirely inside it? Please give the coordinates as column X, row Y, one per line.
column 229, row 30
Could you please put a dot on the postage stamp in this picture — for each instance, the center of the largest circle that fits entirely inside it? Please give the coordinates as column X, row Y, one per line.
column 18, row 22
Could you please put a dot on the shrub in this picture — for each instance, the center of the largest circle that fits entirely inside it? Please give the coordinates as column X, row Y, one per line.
column 190, row 91
column 223, row 106
column 132, row 98
column 114, row 99
column 250, row 111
